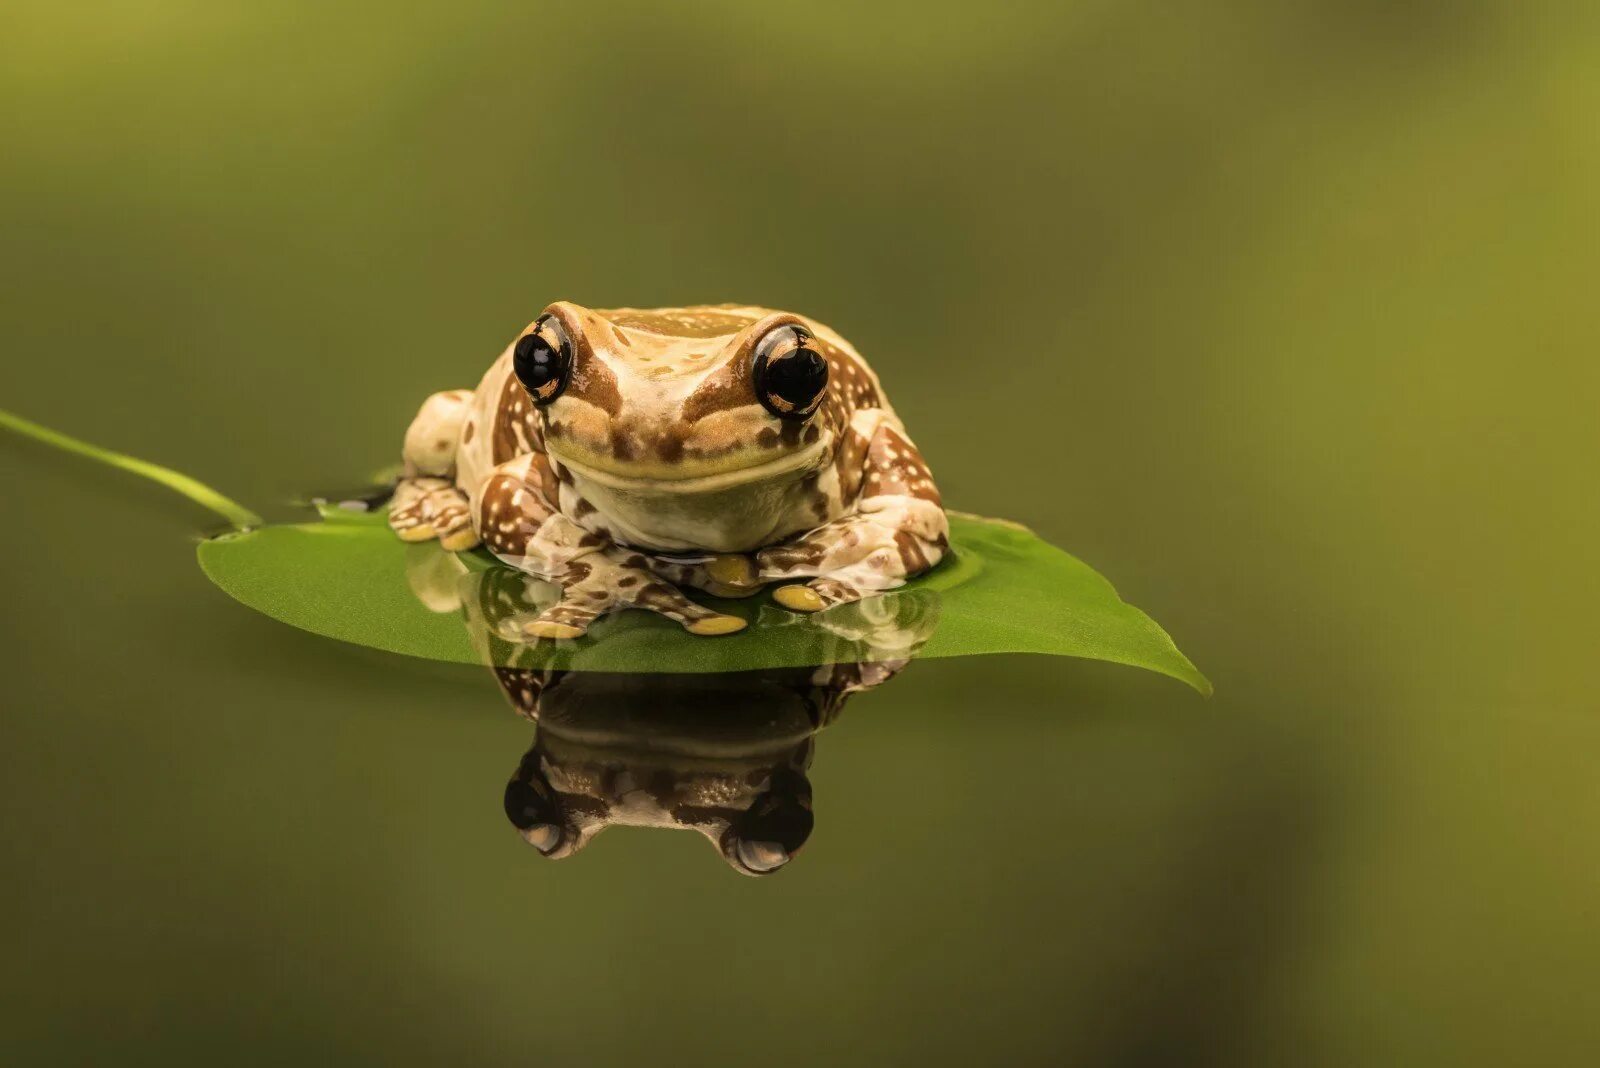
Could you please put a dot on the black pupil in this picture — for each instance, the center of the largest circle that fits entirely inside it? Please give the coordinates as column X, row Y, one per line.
column 526, row 807
column 539, row 365
column 782, row 817
column 798, row 377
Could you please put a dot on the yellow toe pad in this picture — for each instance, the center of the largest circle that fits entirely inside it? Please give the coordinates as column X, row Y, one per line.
column 420, row 532
column 716, row 625
column 545, row 628
column 718, row 589
column 798, row 598
column 732, row 570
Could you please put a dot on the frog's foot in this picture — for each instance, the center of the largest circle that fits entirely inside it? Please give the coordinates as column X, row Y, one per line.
column 428, row 508
column 893, row 538
column 596, row 585
column 834, row 565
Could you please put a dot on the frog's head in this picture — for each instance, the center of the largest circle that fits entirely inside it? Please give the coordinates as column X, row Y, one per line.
column 682, row 402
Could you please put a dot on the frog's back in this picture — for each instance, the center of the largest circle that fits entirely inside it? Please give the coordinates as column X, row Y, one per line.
column 696, row 322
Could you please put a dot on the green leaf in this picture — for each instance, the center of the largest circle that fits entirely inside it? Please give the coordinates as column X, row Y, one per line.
column 1003, row 590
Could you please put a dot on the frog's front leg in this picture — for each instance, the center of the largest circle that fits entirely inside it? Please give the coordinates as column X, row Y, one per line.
column 519, row 525
column 427, row 504
column 897, row 531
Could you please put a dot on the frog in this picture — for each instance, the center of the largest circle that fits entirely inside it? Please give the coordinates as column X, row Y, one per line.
column 725, row 755
column 629, row 455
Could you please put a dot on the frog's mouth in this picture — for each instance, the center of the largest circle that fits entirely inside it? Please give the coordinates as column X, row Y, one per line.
column 682, row 479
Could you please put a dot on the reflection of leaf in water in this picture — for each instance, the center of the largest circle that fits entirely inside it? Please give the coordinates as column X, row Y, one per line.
column 1005, row 591
column 497, row 600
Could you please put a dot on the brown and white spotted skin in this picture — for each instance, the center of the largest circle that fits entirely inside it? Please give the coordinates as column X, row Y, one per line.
column 623, row 454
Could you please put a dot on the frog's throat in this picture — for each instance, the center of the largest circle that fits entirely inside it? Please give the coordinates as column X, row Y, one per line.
column 806, row 459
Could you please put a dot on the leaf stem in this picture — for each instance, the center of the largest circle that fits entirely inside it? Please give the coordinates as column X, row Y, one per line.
column 195, row 490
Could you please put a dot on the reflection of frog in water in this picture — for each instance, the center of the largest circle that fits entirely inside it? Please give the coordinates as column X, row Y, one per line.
column 625, row 455
column 723, row 754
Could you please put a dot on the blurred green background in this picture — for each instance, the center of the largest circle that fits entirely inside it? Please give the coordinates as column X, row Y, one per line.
column 1281, row 315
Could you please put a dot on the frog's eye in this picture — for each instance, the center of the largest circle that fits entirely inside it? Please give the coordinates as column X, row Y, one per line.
column 542, row 360
column 533, row 809
column 769, row 835
column 791, row 376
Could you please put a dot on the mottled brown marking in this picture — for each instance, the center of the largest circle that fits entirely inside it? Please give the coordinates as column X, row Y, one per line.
column 767, row 438
column 894, row 466
column 513, row 408
column 521, row 687
column 543, row 478
column 849, row 464
column 622, row 444
column 913, row 561
column 833, row 591
column 808, row 553
column 594, row 382
column 656, row 594
column 701, row 321
column 669, row 443
column 496, row 510
column 724, row 389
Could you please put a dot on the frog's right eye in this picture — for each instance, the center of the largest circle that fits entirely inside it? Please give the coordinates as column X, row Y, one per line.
column 533, row 809
column 542, row 360
column 768, row 836
column 791, row 376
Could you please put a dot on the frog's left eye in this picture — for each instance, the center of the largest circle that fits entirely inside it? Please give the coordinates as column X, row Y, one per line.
column 532, row 809
column 791, row 376
column 542, row 360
